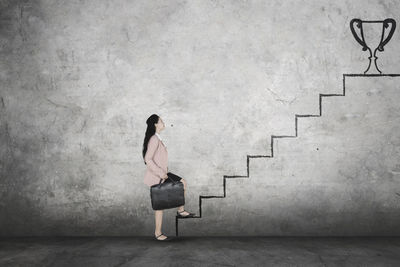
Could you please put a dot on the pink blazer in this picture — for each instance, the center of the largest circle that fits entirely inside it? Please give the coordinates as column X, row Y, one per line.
column 156, row 159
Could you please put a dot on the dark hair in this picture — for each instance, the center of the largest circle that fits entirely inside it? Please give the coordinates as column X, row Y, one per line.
column 150, row 131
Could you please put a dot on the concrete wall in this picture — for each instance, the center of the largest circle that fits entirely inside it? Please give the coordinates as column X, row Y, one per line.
column 79, row 78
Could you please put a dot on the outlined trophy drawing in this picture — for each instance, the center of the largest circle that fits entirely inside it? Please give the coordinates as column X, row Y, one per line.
column 370, row 41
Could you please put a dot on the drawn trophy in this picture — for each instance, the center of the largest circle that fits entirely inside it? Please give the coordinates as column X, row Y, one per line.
column 369, row 40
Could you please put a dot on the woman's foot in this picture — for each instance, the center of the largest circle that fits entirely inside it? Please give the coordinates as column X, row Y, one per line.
column 160, row 236
column 184, row 213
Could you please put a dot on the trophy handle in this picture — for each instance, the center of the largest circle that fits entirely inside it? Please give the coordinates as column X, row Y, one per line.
column 358, row 39
column 386, row 23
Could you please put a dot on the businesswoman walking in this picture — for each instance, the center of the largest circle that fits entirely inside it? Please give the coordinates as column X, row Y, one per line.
column 156, row 158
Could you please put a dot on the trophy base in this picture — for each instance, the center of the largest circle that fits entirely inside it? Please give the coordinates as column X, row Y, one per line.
column 372, row 67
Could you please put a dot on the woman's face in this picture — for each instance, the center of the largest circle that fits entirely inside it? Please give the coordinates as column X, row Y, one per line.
column 160, row 124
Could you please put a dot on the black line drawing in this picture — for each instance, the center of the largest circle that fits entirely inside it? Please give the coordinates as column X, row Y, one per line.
column 280, row 136
column 383, row 42
column 363, row 42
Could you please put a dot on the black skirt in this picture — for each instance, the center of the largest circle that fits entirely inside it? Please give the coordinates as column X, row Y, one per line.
column 172, row 176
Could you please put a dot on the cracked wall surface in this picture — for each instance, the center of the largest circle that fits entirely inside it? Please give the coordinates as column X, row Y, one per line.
column 78, row 79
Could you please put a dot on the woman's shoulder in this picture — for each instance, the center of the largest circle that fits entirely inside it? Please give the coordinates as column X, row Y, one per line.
column 154, row 139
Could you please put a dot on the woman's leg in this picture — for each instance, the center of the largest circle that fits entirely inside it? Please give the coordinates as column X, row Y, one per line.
column 158, row 219
column 181, row 208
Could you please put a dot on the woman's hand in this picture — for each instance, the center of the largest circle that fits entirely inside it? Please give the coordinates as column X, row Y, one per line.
column 165, row 177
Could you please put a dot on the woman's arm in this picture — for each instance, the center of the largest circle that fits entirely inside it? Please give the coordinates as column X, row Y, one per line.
column 151, row 149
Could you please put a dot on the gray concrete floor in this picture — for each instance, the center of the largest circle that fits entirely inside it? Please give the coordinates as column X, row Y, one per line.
column 200, row 251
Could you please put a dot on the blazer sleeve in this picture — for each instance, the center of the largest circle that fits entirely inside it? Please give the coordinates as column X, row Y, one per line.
column 151, row 149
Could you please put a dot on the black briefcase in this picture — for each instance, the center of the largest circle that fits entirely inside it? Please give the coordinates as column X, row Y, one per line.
column 167, row 195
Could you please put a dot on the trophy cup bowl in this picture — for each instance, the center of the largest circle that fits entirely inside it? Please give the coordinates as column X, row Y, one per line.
column 371, row 41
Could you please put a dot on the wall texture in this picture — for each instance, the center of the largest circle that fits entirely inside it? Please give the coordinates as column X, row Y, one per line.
column 78, row 79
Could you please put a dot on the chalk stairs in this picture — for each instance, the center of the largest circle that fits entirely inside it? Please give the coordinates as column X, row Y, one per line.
column 290, row 193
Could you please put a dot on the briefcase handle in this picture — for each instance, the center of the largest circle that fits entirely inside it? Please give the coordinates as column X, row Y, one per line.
column 166, row 179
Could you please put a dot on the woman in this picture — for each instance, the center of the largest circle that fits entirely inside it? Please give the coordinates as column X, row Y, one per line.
column 155, row 156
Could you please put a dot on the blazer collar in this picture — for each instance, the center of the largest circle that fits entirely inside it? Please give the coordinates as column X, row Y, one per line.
column 159, row 137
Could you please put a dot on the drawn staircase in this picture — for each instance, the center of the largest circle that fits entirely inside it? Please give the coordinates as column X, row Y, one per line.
column 225, row 177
